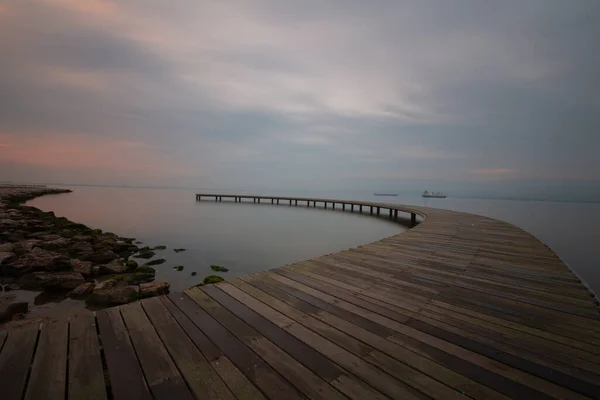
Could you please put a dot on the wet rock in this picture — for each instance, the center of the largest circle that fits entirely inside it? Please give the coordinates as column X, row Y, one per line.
column 82, row 238
column 212, row 279
column 178, row 250
column 36, row 260
column 112, row 293
column 131, row 264
column 83, row 290
column 146, row 254
column 114, row 267
column 159, row 247
column 10, row 223
column 125, row 247
column 158, row 261
column 154, row 289
column 48, row 238
column 53, row 281
column 101, row 257
column 83, row 267
column 81, row 249
column 144, row 269
column 194, row 273
column 178, row 268
column 67, row 233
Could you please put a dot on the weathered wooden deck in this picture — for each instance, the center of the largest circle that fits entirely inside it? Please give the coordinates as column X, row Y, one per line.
column 461, row 306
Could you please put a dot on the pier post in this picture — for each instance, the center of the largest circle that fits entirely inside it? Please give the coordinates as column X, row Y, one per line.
column 277, row 201
column 351, row 207
column 371, row 212
column 378, row 210
column 272, row 201
column 314, row 204
column 307, row 203
column 343, row 206
column 390, row 213
column 325, row 205
column 333, row 206
column 296, row 203
column 413, row 219
column 254, row 199
column 290, row 202
column 396, row 214
column 216, row 198
column 198, row 197
column 360, row 209
column 259, row 200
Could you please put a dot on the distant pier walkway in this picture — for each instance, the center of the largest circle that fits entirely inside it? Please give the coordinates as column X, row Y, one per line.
column 460, row 306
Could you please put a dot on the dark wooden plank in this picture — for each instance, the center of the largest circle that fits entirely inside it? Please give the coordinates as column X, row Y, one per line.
column 239, row 385
column 319, row 364
column 253, row 367
column 163, row 378
column 195, row 369
column 296, row 373
column 49, row 370
column 15, row 359
column 86, row 376
column 126, row 378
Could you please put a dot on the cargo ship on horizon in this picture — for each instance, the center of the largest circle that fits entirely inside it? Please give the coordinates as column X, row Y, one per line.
column 435, row 195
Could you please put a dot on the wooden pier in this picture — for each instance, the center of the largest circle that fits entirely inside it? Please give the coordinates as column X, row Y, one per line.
column 460, row 306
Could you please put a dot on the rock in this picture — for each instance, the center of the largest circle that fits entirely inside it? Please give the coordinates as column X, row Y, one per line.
column 58, row 281
column 10, row 223
column 194, row 273
column 134, row 278
column 112, row 293
column 7, row 248
column 6, row 256
column 114, row 267
column 83, row 267
column 131, row 264
column 158, row 261
column 154, row 289
column 82, row 238
column 159, row 248
column 146, row 254
column 101, row 257
column 67, row 233
column 178, row 268
column 12, row 286
column 49, row 238
column 218, row 268
column 144, row 269
column 83, row 290
column 7, row 311
column 55, row 244
column 178, row 250
column 26, row 246
column 144, row 249
column 36, row 260
column 212, row 279
column 125, row 247
column 80, row 247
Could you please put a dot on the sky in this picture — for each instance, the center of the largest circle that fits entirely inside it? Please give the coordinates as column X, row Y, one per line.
column 463, row 96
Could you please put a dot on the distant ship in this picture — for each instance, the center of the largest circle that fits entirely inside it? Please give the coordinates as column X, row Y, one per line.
column 436, row 195
column 385, row 194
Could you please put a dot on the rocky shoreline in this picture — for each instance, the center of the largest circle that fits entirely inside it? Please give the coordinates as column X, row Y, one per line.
column 60, row 258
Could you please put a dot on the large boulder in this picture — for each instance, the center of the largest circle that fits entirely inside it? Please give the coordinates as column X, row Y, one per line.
column 6, row 256
column 36, row 260
column 146, row 254
column 112, row 293
column 52, row 281
column 80, row 247
column 152, row 289
column 114, row 267
column 83, row 290
column 83, row 267
column 8, row 310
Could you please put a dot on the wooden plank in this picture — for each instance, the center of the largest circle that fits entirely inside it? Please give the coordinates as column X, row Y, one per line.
column 86, row 376
column 126, row 378
column 253, row 367
column 289, row 307
column 197, row 372
column 49, row 370
column 162, row 375
column 15, row 359
column 300, row 376
column 239, row 385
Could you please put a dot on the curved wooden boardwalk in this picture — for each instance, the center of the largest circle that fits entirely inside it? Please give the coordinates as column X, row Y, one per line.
column 460, row 306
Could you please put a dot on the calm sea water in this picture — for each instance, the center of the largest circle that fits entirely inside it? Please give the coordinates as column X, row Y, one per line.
column 248, row 238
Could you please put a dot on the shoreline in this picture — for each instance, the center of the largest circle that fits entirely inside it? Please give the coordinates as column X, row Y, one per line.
column 46, row 259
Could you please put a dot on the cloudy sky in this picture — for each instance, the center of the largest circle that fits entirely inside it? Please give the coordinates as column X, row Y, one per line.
column 342, row 94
